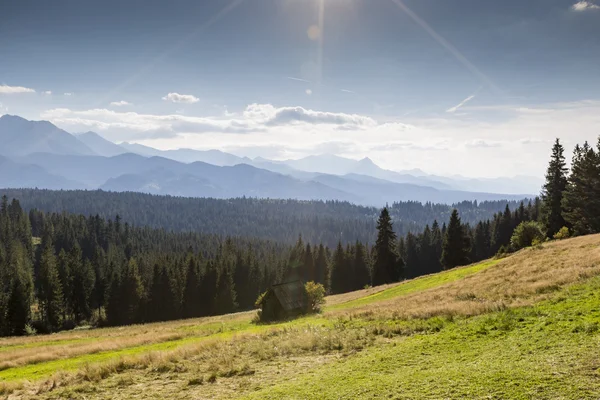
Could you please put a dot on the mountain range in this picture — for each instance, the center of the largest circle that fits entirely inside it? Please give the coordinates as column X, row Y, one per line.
column 39, row 154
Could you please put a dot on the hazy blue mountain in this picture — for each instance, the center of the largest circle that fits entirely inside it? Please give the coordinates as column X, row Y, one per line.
column 100, row 145
column 379, row 191
column 335, row 165
column 206, row 180
column 162, row 181
column 16, row 175
column 42, row 155
column 92, row 171
column 19, row 136
column 215, row 157
column 512, row 185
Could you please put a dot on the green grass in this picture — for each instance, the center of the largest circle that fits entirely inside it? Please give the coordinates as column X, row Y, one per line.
column 416, row 285
column 549, row 351
column 227, row 329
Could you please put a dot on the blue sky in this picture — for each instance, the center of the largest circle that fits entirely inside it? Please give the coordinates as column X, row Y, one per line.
column 408, row 83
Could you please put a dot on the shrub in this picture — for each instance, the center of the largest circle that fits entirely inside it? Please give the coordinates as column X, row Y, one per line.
column 30, row 330
column 316, row 296
column 563, row 233
column 525, row 234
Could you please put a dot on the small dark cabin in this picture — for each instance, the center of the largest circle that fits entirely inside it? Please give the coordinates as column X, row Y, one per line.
column 284, row 300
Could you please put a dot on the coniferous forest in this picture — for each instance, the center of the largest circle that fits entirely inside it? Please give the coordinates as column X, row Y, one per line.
column 270, row 219
column 61, row 270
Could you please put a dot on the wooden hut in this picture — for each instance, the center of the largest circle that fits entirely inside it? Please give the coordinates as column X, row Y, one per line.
column 283, row 301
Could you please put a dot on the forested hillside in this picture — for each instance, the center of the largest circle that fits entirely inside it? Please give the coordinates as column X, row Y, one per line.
column 324, row 222
column 63, row 270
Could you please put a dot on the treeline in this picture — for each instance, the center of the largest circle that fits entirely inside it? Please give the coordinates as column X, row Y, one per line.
column 433, row 250
column 88, row 270
column 324, row 222
column 571, row 198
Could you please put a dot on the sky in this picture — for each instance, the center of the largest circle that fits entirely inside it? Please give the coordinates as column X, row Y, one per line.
column 470, row 87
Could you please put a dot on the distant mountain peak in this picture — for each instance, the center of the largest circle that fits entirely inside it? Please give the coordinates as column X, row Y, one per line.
column 367, row 161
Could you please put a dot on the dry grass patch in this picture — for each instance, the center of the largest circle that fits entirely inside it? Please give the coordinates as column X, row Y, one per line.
column 524, row 278
column 20, row 351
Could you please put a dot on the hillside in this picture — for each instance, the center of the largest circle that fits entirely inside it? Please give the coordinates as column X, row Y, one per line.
column 521, row 327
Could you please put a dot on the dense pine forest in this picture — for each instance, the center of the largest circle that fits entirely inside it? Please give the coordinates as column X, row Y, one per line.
column 324, row 222
column 61, row 270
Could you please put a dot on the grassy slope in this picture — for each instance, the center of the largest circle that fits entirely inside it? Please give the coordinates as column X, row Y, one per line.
column 551, row 350
column 226, row 330
column 523, row 327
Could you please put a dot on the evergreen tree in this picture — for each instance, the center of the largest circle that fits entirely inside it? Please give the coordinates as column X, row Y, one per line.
column 309, row 265
column 437, row 241
column 412, row 262
column 114, row 312
column 162, row 297
column 83, row 284
column 18, row 307
column 49, row 289
column 66, row 283
column 225, row 300
column 130, row 292
column 322, row 267
column 386, row 267
column 581, row 199
column 338, row 271
column 553, row 190
column 456, row 246
column 208, row 286
column 361, row 274
column 191, row 295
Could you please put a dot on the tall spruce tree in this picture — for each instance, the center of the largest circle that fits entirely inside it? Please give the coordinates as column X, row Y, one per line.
column 361, row 276
column 49, row 290
column 308, row 265
column 581, row 199
column 412, row 262
column 387, row 266
column 456, row 246
column 208, row 285
column 226, row 298
column 338, row 271
column 322, row 267
column 191, row 293
column 553, row 190
column 18, row 308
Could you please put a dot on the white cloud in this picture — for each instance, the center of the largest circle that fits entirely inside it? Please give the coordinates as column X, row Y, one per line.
column 522, row 134
column 5, row 89
column 272, row 116
column 181, row 98
column 47, row 92
column 584, row 6
column 459, row 105
column 308, row 92
column 68, row 94
column 120, row 103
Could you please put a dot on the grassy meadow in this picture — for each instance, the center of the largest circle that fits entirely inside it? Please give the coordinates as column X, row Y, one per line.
column 526, row 326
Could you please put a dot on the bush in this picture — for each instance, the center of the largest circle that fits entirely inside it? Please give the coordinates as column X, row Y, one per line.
column 525, row 234
column 316, row 296
column 30, row 330
column 563, row 233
